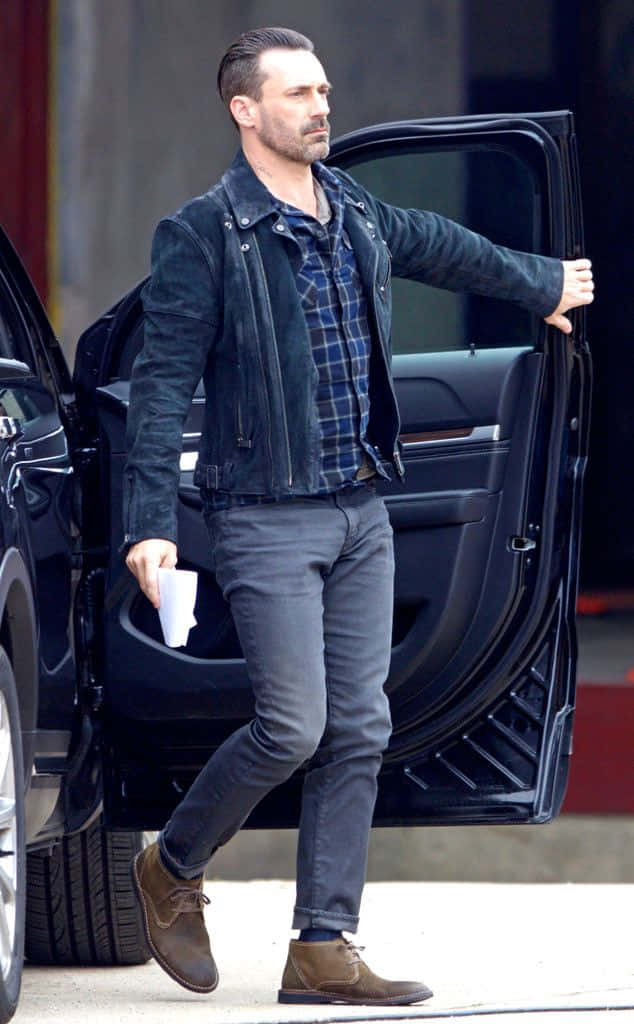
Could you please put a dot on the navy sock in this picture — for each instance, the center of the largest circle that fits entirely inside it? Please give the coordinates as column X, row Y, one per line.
column 318, row 935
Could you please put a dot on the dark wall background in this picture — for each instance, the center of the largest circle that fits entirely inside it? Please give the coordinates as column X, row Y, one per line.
column 135, row 127
column 140, row 127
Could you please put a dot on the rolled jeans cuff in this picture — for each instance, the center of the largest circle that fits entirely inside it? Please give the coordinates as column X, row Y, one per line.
column 306, row 917
column 188, row 871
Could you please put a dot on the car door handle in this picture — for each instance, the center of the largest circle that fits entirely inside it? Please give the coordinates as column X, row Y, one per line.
column 522, row 544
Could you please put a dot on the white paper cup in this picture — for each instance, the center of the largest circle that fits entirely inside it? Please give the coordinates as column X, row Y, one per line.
column 177, row 591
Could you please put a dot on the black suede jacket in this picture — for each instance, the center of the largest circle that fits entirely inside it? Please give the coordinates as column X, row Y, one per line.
column 222, row 304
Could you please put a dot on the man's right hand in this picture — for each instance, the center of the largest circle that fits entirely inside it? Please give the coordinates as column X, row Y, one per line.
column 577, row 290
column 145, row 558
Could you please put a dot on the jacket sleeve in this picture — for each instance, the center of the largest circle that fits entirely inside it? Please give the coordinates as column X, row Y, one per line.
column 181, row 318
column 437, row 251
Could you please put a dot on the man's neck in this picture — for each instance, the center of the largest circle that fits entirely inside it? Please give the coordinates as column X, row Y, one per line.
column 287, row 180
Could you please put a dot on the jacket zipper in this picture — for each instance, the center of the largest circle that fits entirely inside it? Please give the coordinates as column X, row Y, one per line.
column 241, row 440
column 389, row 265
column 129, row 510
column 269, row 442
column 240, row 430
column 396, row 456
column 278, row 369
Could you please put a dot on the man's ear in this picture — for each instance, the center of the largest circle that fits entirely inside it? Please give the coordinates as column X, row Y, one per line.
column 243, row 110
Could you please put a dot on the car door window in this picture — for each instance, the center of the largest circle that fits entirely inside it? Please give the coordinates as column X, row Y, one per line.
column 16, row 402
column 491, row 191
column 31, row 402
column 14, row 331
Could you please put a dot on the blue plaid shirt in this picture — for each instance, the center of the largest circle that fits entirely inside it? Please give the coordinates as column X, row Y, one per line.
column 335, row 308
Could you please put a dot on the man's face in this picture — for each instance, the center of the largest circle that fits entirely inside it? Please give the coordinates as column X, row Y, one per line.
column 291, row 116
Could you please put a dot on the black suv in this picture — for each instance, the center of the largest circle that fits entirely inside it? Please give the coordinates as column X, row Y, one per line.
column 103, row 727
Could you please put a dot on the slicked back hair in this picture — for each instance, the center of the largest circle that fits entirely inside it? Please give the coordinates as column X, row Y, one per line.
column 239, row 72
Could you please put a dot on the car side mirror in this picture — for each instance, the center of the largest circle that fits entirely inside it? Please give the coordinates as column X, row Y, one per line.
column 12, row 370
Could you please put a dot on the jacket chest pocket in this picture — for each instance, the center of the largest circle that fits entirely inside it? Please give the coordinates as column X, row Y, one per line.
column 379, row 246
column 384, row 266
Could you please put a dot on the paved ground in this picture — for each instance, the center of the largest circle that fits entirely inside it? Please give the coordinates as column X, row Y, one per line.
column 481, row 947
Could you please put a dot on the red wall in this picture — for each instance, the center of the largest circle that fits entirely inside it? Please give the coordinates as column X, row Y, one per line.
column 24, row 85
column 602, row 766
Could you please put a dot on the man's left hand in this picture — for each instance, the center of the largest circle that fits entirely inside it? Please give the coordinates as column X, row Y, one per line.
column 578, row 290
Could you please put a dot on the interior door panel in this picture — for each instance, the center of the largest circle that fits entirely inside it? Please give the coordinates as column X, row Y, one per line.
column 445, row 523
column 481, row 683
column 454, row 482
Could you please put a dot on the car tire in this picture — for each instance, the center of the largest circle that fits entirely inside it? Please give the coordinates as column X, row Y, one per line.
column 81, row 907
column 12, row 848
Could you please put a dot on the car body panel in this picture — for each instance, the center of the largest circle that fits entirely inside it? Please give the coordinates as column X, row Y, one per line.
column 38, row 531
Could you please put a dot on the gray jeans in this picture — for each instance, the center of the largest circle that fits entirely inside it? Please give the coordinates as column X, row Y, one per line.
column 310, row 584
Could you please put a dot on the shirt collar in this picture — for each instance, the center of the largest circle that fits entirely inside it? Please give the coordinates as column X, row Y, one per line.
column 324, row 207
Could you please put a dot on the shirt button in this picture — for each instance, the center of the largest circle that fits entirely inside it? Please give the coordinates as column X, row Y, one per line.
column 279, row 227
column 244, row 220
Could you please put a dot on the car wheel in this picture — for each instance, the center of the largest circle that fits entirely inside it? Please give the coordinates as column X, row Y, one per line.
column 12, row 850
column 81, row 905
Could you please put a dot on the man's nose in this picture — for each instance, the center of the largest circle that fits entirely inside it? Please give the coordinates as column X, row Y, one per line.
column 321, row 107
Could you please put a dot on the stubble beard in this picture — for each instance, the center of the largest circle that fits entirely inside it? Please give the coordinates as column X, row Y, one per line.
column 300, row 148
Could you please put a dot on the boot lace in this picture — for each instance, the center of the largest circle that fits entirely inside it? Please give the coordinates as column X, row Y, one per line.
column 352, row 952
column 188, row 901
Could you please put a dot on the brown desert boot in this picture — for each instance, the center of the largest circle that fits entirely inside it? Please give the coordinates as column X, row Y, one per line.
column 333, row 972
column 174, row 923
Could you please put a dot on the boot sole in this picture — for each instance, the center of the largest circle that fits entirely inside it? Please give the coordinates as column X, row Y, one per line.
column 155, row 953
column 313, row 996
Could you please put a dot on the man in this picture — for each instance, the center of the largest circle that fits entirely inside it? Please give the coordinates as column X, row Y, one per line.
column 272, row 287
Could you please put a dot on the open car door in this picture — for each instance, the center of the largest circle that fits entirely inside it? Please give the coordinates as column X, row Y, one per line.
column 494, row 408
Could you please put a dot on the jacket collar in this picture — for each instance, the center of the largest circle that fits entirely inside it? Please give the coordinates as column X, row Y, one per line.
column 250, row 199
